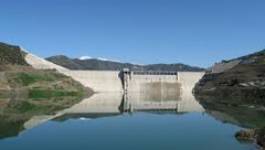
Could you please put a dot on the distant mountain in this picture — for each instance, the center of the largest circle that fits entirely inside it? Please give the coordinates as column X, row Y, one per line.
column 104, row 64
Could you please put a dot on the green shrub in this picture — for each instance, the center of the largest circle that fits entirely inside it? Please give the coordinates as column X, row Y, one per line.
column 29, row 78
column 23, row 106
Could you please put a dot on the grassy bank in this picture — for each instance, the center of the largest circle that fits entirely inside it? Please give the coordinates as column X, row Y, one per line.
column 37, row 92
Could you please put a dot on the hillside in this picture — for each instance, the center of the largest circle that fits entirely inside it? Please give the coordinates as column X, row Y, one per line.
column 244, row 83
column 19, row 80
column 26, row 92
column 229, row 64
column 96, row 64
column 10, row 54
column 237, row 84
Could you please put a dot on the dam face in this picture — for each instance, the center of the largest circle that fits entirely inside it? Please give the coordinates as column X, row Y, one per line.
column 175, row 83
column 116, row 81
column 99, row 81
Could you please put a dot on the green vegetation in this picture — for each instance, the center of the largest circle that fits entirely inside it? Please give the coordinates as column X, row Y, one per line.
column 29, row 108
column 40, row 91
column 29, row 78
column 44, row 84
column 39, row 94
column 23, row 106
column 34, row 92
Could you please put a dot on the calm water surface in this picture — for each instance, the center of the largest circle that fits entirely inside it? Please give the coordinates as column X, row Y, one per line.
column 100, row 123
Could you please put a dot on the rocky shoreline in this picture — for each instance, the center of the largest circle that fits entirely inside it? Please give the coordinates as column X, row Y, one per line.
column 252, row 135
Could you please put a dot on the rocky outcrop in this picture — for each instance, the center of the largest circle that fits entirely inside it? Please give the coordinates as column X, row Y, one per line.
column 246, row 135
column 254, row 135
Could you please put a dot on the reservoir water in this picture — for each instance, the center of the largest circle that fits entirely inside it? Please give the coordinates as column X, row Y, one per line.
column 115, row 122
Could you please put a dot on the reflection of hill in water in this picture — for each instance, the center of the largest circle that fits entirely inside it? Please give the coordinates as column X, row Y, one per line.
column 243, row 116
column 10, row 127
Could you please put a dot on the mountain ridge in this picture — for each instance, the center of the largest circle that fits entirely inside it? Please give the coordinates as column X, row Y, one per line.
column 97, row 64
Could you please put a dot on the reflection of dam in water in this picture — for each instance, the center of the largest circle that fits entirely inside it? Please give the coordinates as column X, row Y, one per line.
column 104, row 104
column 161, row 92
column 109, row 104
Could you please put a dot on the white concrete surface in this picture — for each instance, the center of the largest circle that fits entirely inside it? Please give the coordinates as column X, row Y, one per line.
column 99, row 81
column 40, row 63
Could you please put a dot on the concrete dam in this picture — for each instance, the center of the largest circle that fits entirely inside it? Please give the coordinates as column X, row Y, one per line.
column 175, row 83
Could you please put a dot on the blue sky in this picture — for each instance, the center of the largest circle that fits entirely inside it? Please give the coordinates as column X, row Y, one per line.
column 195, row 32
